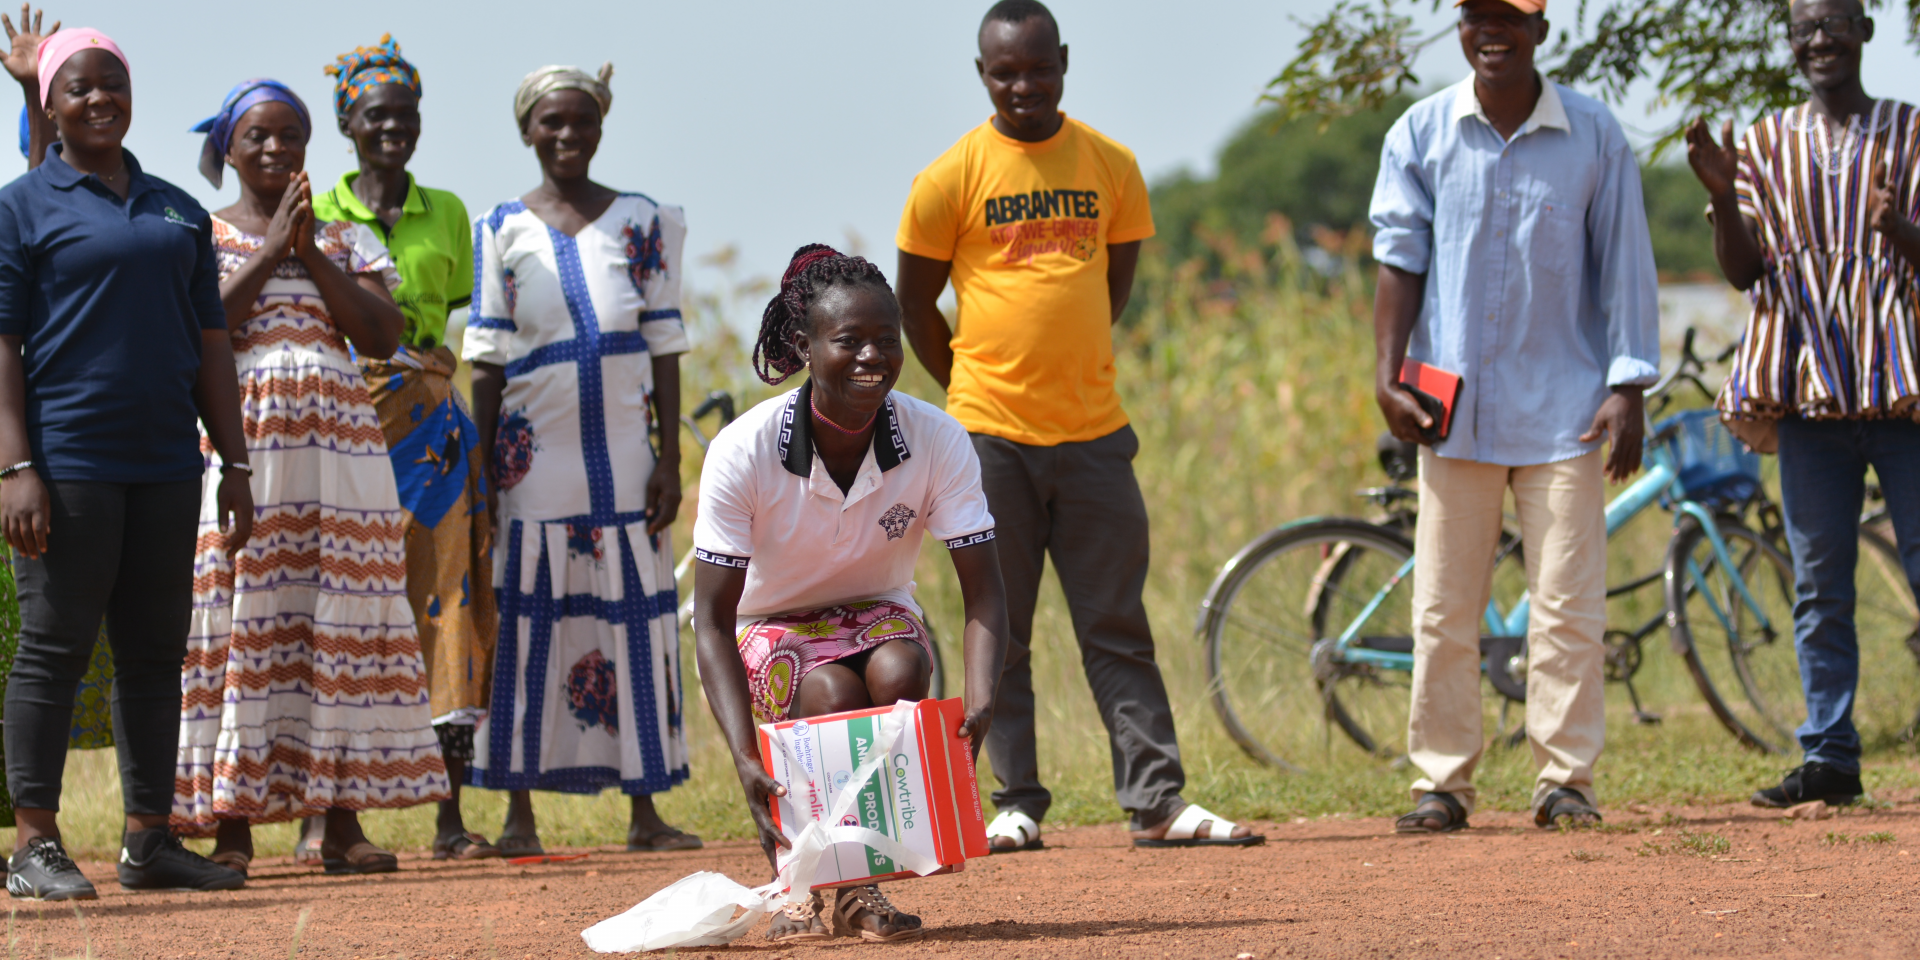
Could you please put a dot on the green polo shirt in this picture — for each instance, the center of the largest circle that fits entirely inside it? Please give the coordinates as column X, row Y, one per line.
column 432, row 247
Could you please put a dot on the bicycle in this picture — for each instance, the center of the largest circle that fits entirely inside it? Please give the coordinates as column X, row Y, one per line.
column 721, row 402
column 1340, row 643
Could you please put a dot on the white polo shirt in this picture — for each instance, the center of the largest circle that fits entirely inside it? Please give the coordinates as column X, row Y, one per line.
column 768, row 505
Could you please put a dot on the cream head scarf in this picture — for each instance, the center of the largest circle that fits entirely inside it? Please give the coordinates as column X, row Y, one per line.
column 550, row 79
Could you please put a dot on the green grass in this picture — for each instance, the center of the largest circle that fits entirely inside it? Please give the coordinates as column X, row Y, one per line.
column 1252, row 397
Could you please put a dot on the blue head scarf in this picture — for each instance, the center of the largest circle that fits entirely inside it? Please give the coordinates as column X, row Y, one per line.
column 243, row 97
column 26, row 134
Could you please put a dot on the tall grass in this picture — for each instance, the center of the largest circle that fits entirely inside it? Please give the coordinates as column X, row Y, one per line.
column 1251, row 392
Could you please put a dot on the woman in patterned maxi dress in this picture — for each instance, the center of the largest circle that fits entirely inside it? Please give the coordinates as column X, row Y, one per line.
column 304, row 691
column 573, row 335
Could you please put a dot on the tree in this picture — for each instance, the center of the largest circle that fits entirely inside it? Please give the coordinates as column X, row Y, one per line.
column 1711, row 57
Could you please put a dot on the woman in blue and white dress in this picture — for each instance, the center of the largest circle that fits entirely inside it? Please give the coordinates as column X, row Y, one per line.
column 574, row 334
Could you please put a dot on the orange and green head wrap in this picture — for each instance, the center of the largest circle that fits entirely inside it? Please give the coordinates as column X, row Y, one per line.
column 367, row 67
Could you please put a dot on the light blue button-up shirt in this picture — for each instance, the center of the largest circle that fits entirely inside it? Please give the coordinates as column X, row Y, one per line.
column 1541, row 291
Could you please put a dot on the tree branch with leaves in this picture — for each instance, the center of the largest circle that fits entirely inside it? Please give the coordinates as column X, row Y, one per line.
column 1706, row 57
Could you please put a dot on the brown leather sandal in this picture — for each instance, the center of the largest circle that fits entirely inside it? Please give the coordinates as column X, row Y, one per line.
column 362, row 857
column 235, row 860
column 852, row 904
column 800, row 923
column 464, row 846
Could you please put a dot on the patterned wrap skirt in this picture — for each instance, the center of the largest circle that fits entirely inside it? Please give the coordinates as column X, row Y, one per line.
column 436, row 464
column 780, row 651
column 303, row 687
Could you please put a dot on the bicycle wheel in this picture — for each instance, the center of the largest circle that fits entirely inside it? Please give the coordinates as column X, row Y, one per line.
column 1742, row 659
column 1886, row 619
column 1285, row 597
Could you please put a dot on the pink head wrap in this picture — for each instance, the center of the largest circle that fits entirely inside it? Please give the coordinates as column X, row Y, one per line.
column 56, row 50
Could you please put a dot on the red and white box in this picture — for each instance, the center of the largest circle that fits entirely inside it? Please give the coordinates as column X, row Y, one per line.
column 924, row 796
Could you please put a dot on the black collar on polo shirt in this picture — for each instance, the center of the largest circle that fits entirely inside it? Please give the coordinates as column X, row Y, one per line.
column 796, row 435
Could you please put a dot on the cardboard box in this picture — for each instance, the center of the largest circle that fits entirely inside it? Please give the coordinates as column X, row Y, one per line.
column 924, row 796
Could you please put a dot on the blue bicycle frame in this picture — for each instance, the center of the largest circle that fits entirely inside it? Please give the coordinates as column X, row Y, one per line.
column 1659, row 480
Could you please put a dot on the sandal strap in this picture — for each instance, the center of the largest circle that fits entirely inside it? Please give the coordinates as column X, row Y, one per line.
column 1187, row 824
column 1014, row 825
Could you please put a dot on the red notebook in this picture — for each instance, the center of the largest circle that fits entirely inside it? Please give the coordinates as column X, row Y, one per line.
column 1436, row 390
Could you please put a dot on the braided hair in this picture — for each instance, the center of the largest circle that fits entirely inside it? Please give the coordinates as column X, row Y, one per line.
column 815, row 269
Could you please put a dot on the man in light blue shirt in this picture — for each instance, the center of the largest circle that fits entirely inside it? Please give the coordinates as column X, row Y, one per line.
column 1514, row 252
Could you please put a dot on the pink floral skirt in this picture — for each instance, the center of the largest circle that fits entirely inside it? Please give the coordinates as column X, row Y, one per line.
column 780, row 651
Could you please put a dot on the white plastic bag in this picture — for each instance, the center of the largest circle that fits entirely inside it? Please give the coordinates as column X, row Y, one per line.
column 706, row 909
column 697, row 911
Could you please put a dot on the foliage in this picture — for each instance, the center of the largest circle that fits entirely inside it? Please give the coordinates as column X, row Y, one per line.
column 1712, row 57
column 1319, row 180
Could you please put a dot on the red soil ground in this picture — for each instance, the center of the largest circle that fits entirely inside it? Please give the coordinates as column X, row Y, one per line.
column 1340, row 888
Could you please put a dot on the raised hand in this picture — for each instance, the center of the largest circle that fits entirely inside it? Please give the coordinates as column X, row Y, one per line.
column 1716, row 164
column 1881, row 212
column 23, row 60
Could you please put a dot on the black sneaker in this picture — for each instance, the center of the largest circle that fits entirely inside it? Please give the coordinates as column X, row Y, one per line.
column 155, row 860
column 43, row 871
column 1811, row 781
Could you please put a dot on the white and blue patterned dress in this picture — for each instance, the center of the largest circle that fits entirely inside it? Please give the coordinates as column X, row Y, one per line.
column 587, row 688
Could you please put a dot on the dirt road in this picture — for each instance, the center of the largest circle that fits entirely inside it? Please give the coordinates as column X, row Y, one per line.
column 1688, row 883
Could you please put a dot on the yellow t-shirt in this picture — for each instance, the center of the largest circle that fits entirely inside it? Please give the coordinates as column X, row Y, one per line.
column 1026, row 226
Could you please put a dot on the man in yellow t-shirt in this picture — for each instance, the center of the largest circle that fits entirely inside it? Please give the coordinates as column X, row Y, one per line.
column 1037, row 219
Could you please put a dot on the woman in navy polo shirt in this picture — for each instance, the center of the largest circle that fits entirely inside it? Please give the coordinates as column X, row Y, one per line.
column 113, row 342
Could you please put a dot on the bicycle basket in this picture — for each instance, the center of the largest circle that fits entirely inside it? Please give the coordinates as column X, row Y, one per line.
column 1715, row 467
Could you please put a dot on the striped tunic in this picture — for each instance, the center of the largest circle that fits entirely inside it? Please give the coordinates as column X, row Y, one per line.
column 303, row 687
column 1833, row 332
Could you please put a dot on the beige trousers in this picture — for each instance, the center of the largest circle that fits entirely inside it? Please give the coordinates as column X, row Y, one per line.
column 1564, row 535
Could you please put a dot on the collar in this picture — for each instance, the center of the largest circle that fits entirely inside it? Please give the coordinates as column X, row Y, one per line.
column 349, row 201
column 63, row 176
column 796, row 434
column 1548, row 111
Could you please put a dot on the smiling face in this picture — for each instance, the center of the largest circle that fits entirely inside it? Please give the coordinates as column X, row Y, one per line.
column 1024, row 67
column 92, row 101
column 1499, row 41
column 564, row 131
column 384, row 125
column 852, row 347
column 269, row 146
column 1825, row 60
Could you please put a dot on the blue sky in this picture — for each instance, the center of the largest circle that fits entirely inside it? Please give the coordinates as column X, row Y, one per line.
column 774, row 124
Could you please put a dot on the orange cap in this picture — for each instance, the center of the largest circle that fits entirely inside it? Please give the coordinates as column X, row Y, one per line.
column 1524, row 6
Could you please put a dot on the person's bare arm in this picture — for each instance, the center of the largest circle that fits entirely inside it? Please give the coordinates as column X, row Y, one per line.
column 25, row 511
column 984, row 644
column 918, row 283
column 1736, row 245
column 723, row 675
column 1396, row 308
column 663, row 485
column 489, row 383
column 216, row 394
column 1122, row 259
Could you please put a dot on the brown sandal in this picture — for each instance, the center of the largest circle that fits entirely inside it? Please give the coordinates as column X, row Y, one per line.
column 852, row 902
column 800, row 923
column 464, row 846
column 362, row 857
column 235, row 860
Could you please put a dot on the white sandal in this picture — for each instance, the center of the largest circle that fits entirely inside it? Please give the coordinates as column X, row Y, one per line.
column 1181, row 832
column 1015, row 826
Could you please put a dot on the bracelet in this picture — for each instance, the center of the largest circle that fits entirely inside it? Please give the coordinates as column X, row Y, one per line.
column 246, row 468
column 16, row 468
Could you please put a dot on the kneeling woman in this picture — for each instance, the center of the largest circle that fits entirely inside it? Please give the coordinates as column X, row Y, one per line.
column 812, row 507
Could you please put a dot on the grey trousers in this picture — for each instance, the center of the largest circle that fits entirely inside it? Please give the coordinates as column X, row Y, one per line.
column 1080, row 503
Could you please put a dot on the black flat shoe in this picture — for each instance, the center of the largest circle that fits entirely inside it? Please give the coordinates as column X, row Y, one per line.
column 1435, row 813
column 1811, row 781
